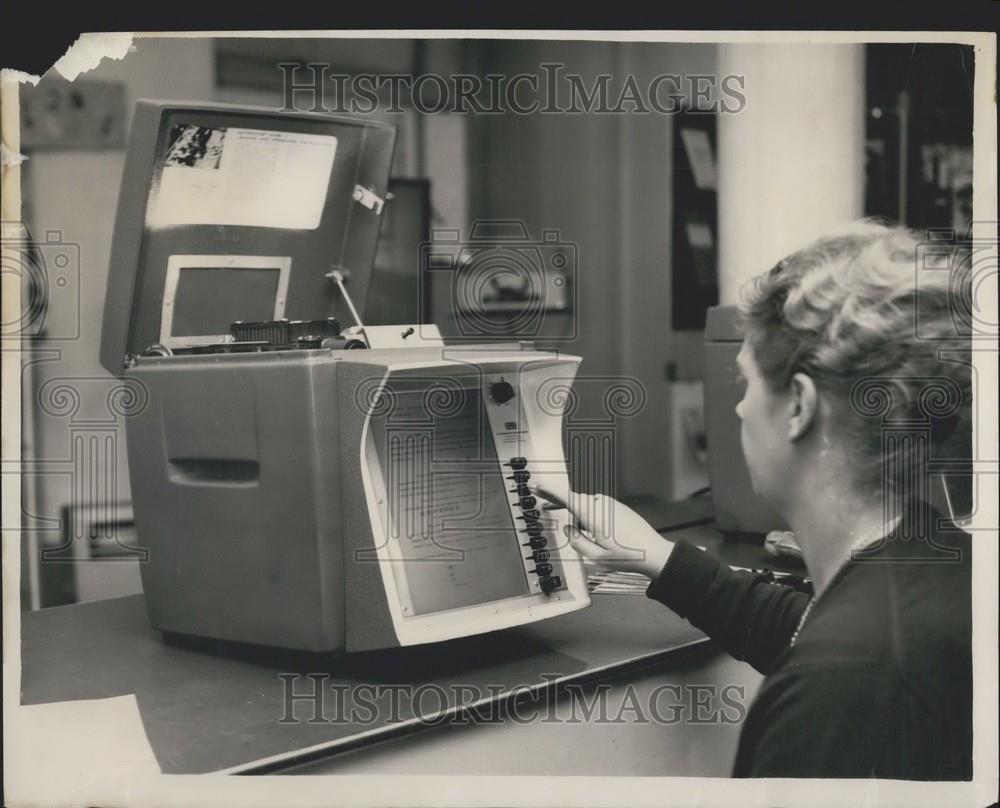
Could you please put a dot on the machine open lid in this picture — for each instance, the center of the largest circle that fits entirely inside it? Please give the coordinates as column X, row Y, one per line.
column 238, row 213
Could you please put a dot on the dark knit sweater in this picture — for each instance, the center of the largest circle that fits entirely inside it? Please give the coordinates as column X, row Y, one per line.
column 879, row 682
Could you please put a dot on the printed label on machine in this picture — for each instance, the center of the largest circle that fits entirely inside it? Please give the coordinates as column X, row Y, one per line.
column 245, row 177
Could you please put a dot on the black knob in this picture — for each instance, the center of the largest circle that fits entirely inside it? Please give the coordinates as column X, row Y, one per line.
column 541, row 555
column 542, row 569
column 550, row 582
column 501, row 392
column 529, row 516
column 536, row 542
column 533, row 529
column 527, row 502
column 520, row 477
column 520, row 490
column 517, row 463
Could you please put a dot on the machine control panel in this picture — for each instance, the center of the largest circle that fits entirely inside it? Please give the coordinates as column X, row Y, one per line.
column 535, row 526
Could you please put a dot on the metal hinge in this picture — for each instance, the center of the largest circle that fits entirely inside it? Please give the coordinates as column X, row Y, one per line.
column 368, row 198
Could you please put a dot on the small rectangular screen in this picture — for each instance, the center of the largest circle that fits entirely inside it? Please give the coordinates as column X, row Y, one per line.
column 209, row 299
column 447, row 503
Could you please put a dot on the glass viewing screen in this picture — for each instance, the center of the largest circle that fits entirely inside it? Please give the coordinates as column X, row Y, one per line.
column 209, row 299
column 447, row 503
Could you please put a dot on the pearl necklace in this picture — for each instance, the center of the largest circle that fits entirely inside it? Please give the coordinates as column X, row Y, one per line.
column 802, row 620
column 868, row 539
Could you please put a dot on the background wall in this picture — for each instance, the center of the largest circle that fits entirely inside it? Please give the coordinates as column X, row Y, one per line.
column 603, row 181
column 70, row 194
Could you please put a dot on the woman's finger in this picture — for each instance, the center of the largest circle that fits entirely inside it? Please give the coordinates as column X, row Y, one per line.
column 593, row 514
column 583, row 546
column 568, row 500
column 558, row 500
column 587, row 510
column 599, row 546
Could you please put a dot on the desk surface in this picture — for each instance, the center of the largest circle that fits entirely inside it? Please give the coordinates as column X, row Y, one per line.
column 210, row 706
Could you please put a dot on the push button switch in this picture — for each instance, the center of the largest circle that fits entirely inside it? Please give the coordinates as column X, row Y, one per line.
column 531, row 517
column 501, row 392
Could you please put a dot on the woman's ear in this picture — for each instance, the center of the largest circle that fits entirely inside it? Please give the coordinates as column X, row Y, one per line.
column 804, row 406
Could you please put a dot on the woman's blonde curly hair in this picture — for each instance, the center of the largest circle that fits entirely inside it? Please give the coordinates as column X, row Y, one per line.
column 884, row 335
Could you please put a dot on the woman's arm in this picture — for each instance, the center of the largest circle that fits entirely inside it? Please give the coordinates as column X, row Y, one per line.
column 747, row 615
column 752, row 618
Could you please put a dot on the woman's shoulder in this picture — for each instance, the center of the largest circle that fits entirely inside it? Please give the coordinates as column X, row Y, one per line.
column 905, row 606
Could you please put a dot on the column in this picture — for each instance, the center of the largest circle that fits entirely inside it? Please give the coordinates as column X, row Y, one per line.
column 791, row 163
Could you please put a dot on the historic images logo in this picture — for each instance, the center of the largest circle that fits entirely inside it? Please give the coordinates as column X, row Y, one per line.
column 551, row 90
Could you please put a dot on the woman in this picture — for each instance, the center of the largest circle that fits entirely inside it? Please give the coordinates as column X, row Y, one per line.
column 872, row 676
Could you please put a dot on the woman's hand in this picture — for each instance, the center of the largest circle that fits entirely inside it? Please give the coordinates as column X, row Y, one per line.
column 611, row 534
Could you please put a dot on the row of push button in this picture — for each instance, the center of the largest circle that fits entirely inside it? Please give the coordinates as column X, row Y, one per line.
column 531, row 516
